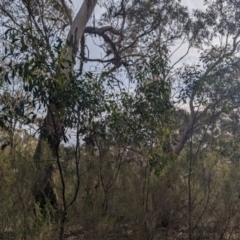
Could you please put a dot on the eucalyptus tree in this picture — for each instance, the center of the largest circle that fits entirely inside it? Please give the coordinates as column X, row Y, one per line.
column 131, row 32
column 210, row 88
column 211, row 85
column 33, row 53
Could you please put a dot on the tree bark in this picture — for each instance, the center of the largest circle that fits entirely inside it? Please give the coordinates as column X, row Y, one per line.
column 184, row 138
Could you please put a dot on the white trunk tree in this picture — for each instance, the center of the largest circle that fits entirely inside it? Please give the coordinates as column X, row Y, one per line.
column 53, row 127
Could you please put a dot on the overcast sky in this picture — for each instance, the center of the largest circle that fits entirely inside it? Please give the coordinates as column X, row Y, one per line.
column 189, row 3
column 95, row 51
column 193, row 3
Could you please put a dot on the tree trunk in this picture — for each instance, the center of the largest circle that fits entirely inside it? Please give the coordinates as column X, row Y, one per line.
column 46, row 158
column 46, row 153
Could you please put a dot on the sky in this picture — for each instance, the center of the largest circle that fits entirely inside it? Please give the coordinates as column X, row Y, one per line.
column 192, row 4
column 96, row 51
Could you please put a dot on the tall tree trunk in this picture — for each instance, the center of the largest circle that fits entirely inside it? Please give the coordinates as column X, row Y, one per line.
column 46, row 154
